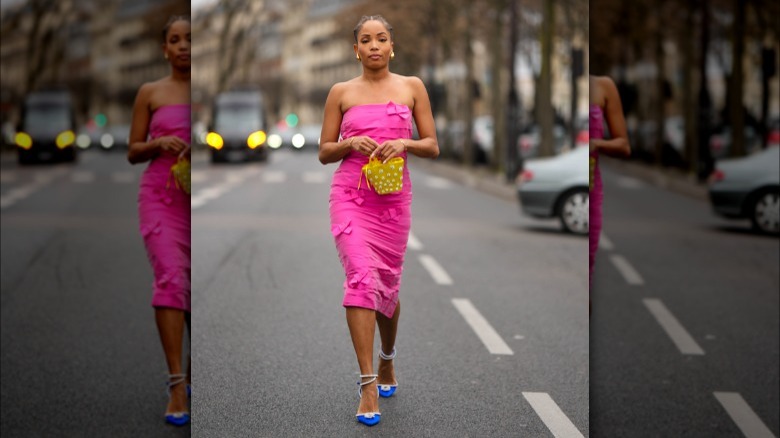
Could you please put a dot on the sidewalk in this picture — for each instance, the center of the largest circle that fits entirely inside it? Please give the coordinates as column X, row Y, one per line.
column 670, row 179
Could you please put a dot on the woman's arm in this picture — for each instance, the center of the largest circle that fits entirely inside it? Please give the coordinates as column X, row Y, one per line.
column 141, row 150
column 331, row 149
column 617, row 145
column 427, row 146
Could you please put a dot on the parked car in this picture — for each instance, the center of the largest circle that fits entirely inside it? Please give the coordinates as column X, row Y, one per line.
column 557, row 187
column 773, row 133
column 749, row 187
column 452, row 138
column 721, row 139
column 530, row 139
column 643, row 140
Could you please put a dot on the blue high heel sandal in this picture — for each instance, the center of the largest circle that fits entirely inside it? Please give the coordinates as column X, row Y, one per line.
column 387, row 390
column 367, row 418
column 176, row 418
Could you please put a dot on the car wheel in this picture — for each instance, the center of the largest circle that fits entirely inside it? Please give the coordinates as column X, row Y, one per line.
column 765, row 212
column 574, row 212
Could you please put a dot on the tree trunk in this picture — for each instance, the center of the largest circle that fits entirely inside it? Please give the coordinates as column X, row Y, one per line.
column 736, row 112
column 544, row 110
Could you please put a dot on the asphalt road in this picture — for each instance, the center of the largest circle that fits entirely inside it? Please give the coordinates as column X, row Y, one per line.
column 80, row 350
column 684, row 332
column 271, row 349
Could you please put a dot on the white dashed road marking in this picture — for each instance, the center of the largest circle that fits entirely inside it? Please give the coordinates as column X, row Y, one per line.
column 629, row 183
column 314, row 177
column 681, row 338
column 739, row 411
column 414, row 243
column 82, row 176
column 274, row 176
column 552, row 416
column 197, row 176
column 626, row 270
column 438, row 183
column 123, row 177
column 438, row 273
column 486, row 333
column 605, row 243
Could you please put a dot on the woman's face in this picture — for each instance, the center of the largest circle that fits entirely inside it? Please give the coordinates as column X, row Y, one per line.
column 374, row 45
column 177, row 44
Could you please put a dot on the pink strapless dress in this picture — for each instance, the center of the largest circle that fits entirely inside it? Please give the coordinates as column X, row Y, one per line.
column 596, row 130
column 164, row 214
column 371, row 230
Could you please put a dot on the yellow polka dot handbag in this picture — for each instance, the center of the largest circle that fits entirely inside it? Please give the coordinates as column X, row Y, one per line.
column 385, row 178
column 181, row 174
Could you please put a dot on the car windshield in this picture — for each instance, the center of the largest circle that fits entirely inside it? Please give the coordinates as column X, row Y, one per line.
column 238, row 118
column 46, row 119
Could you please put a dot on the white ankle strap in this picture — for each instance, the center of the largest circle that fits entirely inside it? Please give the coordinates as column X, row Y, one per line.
column 175, row 379
column 384, row 356
column 373, row 379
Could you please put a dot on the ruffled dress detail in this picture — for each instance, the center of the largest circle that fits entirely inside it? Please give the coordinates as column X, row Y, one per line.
column 164, row 214
column 371, row 230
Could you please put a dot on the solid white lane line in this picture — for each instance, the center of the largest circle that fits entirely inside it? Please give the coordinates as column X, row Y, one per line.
column 414, row 243
column 681, row 338
column 314, row 177
column 552, row 416
column 82, row 176
column 481, row 327
column 605, row 243
column 626, row 270
column 274, row 176
column 739, row 411
column 123, row 177
column 438, row 273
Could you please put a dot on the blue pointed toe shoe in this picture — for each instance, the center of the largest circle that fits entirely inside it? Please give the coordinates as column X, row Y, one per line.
column 387, row 390
column 176, row 418
column 367, row 418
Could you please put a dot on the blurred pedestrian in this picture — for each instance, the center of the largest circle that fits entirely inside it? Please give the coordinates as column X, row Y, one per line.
column 160, row 134
column 604, row 105
column 369, row 117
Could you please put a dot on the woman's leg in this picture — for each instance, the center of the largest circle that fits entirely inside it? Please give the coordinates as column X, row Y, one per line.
column 361, row 324
column 388, row 327
column 170, row 324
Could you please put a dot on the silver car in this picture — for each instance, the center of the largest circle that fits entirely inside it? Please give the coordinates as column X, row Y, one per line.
column 749, row 187
column 557, row 187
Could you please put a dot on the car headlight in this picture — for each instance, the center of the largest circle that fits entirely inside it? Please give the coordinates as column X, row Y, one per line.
column 255, row 139
column 298, row 140
column 65, row 139
column 215, row 140
column 274, row 141
column 107, row 141
column 23, row 140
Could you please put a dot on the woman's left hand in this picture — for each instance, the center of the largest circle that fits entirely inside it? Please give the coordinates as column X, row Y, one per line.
column 389, row 149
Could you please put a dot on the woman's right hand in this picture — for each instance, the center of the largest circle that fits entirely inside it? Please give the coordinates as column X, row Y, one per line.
column 171, row 144
column 363, row 144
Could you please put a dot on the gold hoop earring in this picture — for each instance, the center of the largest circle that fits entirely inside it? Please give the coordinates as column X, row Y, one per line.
column 357, row 56
column 392, row 55
column 166, row 56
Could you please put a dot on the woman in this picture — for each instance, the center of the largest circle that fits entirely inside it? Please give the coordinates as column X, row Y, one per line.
column 367, row 117
column 604, row 103
column 160, row 134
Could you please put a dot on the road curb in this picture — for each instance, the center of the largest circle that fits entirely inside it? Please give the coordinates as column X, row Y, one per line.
column 673, row 180
column 484, row 180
